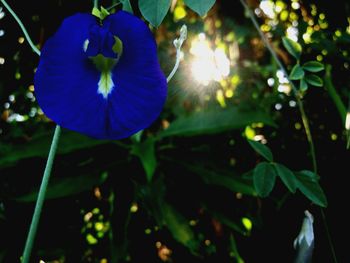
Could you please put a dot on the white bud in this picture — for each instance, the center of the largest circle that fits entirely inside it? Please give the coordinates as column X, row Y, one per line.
column 306, row 231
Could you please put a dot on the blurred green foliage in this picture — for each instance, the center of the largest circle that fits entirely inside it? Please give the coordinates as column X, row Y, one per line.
column 189, row 188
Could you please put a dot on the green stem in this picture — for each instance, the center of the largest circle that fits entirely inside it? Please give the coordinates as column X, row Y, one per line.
column 95, row 3
column 328, row 235
column 113, row 5
column 308, row 134
column 19, row 22
column 47, row 172
column 41, row 197
column 295, row 90
column 334, row 94
column 301, row 109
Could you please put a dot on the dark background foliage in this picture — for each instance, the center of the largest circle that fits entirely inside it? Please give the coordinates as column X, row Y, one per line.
column 178, row 194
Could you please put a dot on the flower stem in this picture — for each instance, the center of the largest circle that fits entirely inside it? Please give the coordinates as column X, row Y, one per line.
column 334, row 94
column 19, row 22
column 41, row 197
column 295, row 90
column 301, row 109
column 47, row 172
column 95, row 3
column 328, row 235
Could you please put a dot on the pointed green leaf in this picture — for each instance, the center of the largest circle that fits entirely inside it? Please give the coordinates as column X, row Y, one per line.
column 238, row 227
column 313, row 66
column 96, row 12
column 287, row 177
column 178, row 226
column 314, row 80
column 261, row 149
column 146, row 153
column 213, row 122
column 62, row 187
column 154, row 11
column 234, row 250
column 104, row 13
column 310, row 175
column 307, row 183
column 292, row 47
column 39, row 146
column 221, row 178
column 303, row 85
column 296, row 73
column 127, row 6
column 264, row 178
column 201, row 7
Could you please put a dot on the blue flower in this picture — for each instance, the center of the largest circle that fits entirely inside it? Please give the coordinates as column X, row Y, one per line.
column 101, row 78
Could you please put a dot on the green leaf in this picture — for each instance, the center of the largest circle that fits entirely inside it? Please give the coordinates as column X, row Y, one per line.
column 62, row 187
column 127, row 6
column 313, row 66
column 307, row 183
column 178, row 226
column 292, row 47
column 296, row 73
column 201, row 7
column 146, row 153
column 39, row 146
column 303, row 85
column 152, row 196
column 314, row 80
column 233, row 183
column 287, row 177
column 213, row 122
column 154, row 11
column 310, row 175
column 224, row 179
column 104, row 13
column 264, row 178
column 261, row 149
column 234, row 250
column 238, row 227
column 96, row 12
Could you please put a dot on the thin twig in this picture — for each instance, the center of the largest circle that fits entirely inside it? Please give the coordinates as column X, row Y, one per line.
column 328, row 235
column 301, row 109
column 113, row 5
column 47, row 172
column 295, row 90
column 19, row 22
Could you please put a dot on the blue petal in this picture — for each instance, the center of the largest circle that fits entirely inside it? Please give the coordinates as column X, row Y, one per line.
column 101, row 41
column 66, row 81
column 141, row 86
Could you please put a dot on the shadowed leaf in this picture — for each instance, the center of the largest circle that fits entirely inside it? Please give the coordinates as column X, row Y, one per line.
column 292, row 47
column 146, row 152
column 201, row 7
column 264, row 178
column 39, row 146
column 212, row 122
column 154, row 10
column 261, row 149
column 287, row 176
column 307, row 183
